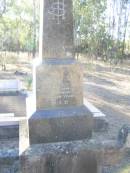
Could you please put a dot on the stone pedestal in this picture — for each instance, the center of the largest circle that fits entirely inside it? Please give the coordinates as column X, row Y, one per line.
column 60, row 114
column 65, row 124
column 58, row 84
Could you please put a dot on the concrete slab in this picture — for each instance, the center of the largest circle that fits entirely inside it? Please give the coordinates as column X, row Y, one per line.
column 13, row 102
column 10, row 85
column 83, row 156
column 96, row 112
column 9, row 127
column 67, row 157
column 100, row 119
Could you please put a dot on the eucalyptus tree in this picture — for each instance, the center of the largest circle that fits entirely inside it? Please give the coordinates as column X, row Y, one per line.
column 119, row 15
column 90, row 24
column 17, row 25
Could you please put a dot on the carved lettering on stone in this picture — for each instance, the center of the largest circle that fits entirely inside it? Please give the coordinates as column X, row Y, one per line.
column 66, row 96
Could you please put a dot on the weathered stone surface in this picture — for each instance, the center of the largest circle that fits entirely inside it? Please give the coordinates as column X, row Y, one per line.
column 7, row 132
column 66, row 124
column 13, row 103
column 57, row 29
column 62, row 157
column 70, row 157
column 58, row 85
column 23, row 136
column 112, row 156
column 12, row 167
column 9, row 160
column 100, row 124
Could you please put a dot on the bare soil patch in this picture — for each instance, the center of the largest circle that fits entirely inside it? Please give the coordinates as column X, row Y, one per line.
column 108, row 88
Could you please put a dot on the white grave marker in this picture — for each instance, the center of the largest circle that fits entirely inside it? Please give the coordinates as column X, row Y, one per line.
column 10, row 85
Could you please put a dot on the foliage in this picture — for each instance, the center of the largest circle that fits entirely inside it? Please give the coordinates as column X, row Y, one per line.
column 17, row 26
column 98, row 30
column 101, row 27
column 29, row 83
column 89, row 25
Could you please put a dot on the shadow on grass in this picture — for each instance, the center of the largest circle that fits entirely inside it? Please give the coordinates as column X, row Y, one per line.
column 108, row 95
column 101, row 80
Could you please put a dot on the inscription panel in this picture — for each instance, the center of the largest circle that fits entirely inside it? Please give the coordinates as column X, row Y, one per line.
column 58, row 86
column 66, row 96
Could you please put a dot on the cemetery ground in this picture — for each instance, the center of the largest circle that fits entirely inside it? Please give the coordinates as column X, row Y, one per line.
column 106, row 87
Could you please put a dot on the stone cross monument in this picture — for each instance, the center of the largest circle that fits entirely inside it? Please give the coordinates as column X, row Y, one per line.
column 60, row 114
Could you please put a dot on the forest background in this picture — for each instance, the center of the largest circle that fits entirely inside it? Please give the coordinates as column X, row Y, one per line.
column 101, row 29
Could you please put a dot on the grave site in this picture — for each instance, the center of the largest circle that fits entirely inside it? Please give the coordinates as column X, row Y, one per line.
column 73, row 119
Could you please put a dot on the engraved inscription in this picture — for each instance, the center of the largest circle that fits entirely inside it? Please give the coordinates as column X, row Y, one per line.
column 66, row 96
column 57, row 11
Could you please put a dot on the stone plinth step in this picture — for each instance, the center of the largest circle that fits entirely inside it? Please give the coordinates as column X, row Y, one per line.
column 83, row 156
column 64, row 124
column 9, row 127
column 62, row 157
column 100, row 120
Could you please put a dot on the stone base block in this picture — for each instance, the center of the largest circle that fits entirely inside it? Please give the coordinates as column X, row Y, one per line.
column 73, row 123
column 7, row 132
column 62, row 157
